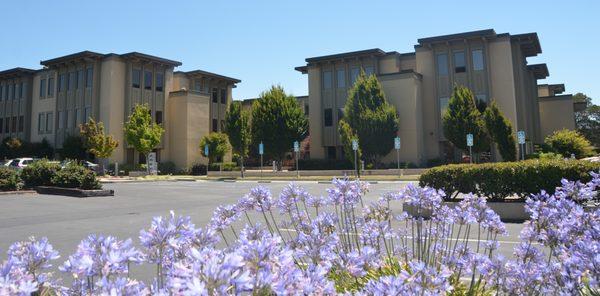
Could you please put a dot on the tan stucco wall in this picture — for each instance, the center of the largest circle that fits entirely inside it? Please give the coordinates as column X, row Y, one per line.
column 111, row 103
column 39, row 105
column 556, row 113
column 389, row 64
column 315, row 117
column 431, row 133
column 189, row 113
column 502, row 78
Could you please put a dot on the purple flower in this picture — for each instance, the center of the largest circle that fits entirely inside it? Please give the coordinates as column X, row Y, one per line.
column 224, row 216
column 34, row 257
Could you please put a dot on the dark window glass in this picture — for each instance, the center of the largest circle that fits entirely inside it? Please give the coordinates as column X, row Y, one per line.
column 42, row 87
column 328, row 117
column 51, row 87
column 49, row 121
column 442, row 64
column 6, row 125
column 89, row 77
column 306, row 109
column 61, row 82
column 87, row 113
column 21, row 124
column 341, row 78
column 76, row 80
column 331, row 152
column 159, row 82
column 1, row 124
column 369, row 70
column 197, row 85
column 147, row 80
column 340, row 114
column 159, row 117
column 214, row 125
column 223, row 96
column 477, row 59
column 13, row 90
column 13, row 124
column 327, row 79
column 135, row 78
column 459, row 62
column 21, row 90
column 215, row 94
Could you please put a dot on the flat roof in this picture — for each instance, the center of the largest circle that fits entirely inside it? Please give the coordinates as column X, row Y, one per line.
column 16, row 72
column 530, row 43
column 555, row 88
column 86, row 54
column 143, row 56
column 540, row 71
column 366, row 52
column 210, row 74
column 450, row 37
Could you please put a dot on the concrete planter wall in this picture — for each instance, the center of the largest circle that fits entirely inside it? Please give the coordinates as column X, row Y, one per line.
column 138, row 173
column 313, row 173
column 508, row 211
column 75, row 192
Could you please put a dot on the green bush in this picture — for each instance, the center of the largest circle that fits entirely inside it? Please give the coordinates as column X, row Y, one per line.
column 567, row 142
column 324, row 164
column 76, row 176
column 9, row 180
column 498, row 181
column 545, row 156
column 126, row 168
column 197, row 169
column 169, row 168
column 227, row 166
column 39, row 173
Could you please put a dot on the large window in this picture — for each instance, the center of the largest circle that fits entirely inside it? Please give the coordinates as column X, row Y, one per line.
column 223, row 96
column 21, row 90
column 215, row 125
column 159, row 117
column 459, row 62
column 60, row 116
column 159, row 82
column 442, row 64
column 16, row 95
column 198, row 85
column 61, row 82
column 477, row 60
column 354, row 72
column 328, row 117
column 6, row 124
column 369, row 70
column 13, row 124
column 42, row 87
column 147, row 80
column 327, row 80
column 135, row 78
column 89, row 77
column 80, row 78
column 51, row 87
column 443, row 106
column 12, row 91
column 71, row 80
column 21, row 124
column 215, row 95
column 341, row 78
column 41, row 123
column 76, row 80
column 49, row 121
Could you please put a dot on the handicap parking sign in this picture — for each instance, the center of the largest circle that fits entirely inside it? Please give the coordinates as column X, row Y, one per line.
column 521, row 137
column 354, row 144
column 470, row 140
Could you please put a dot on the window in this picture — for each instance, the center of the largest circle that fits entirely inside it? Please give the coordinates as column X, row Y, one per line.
column 147, row 80
column 76, row 117
column 21, row 124
column 71, row 80
column 306, row 110
column 331, row 152
column 87, row 113
column 89, row 77
column 12, row 91
column 41, row 122
column 1, row 125
column 68, row 119
column 80, row 78
column 459, row 62
column 442, row 64
column 214, row 125
column 1, row 96
column 135, row 78
column 328, row 117
column 369, row 70
column 340, row 114
column 327, row 80
column 477, row 59
column 159, row 117
column 15, row 91
column 341, row 78
column 51, row 87
column 6, row 124
column 76, row 80
column 21, row 90
column 354, row 72
column 61, row 82
column 215, row 94
column 13, row 124
column 197, row 85
column 443, row 106
column 49, row 122
column 42, row 88
column 223, row 96
column 159, row 82
column 61, row 119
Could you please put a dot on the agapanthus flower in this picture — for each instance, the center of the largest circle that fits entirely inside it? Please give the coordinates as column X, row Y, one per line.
column 223, row 217
column 258, row 199
column 34, row 257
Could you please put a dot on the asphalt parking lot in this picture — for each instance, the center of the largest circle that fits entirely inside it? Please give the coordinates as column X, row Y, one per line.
column 67, row 220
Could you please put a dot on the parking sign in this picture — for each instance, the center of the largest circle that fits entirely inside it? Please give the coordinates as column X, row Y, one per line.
column 397, row 143
column 296, row 146
column 521, row 137
column 355, row 144
column 470, row 140
column 261, row 148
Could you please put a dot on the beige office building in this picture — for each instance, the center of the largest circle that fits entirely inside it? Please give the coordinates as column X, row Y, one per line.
column 50, row 103
column 420, row 83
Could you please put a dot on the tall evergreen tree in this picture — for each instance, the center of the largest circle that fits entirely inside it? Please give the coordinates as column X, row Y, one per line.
column 277, row 121
column 500, row 131
column 371, row 118
column 461, row 118
column 237, row 128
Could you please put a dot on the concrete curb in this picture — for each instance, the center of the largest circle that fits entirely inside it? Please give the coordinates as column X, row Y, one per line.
column 18, row 192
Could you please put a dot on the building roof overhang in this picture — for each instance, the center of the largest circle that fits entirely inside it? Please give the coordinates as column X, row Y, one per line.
column 458, row 36
column 529, row 42
column 150, row 58
column 345, row 55
column 75, row 57
column 209, row 74
column 540, row 71
column 16, row 73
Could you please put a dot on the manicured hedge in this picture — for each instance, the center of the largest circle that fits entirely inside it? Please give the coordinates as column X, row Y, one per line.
column 39, row 173
column 9, row 180
column 498, row 181
column 76, row 176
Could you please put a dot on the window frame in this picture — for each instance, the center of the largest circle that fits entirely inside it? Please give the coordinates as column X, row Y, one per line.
column 327, row 117
column 327, row 84
column 139, row 78
column 50, row 85
column 159, row 85
column 148, row 80
column 473, row 59
column 89, row 77
column 439, row 63
column 223, row 94
column 42, row 88
column 459, row 69
column 341, row 72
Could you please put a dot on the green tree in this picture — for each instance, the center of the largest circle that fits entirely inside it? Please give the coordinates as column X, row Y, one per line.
column 73, row 148
column 237, row 128
column 277, row 121
column 347, row 135
column 461, row 118
column 218, row 146
column 567, row 142
column 500, row 131
column 587, row 120
column 371, row 118
column 97, row 142
column 141, row 132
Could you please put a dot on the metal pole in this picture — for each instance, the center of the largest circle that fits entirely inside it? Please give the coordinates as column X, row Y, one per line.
column 356, row 164
column 398, row 160
column 470, row 155
column 297, row 168
column 261, row 166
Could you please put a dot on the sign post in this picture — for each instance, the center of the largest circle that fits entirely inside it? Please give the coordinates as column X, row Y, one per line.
column 521, row 138
column 296, row 152
column 355, row 148
column 207, row 159
column 261, row 151
column 397, row 147
column 152, row 166
column 470, row 144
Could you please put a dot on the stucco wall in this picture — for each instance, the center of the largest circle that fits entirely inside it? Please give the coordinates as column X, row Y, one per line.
column 39, row 105
column 112, row 103
column 189, row 113
column 556, row 113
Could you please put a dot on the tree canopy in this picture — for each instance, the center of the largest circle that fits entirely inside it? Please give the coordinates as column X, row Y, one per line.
column 96, row 141
column 588, row 120
column 218, row 146
column 500, row 131
column 141, row 132
column 461, row 118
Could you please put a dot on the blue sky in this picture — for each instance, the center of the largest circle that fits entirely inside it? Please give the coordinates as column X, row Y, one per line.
column 260, row 42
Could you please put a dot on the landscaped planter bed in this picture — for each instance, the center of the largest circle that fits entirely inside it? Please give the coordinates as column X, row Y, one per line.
column 509, row 211
column 75, row 192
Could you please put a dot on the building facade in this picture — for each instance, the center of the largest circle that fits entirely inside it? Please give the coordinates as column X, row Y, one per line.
column 51, row 103
column 419, row 84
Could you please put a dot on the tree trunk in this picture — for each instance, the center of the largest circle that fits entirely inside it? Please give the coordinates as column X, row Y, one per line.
column 242, row 168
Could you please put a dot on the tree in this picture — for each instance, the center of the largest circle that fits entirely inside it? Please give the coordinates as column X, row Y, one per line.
column 237, row 128
column 141, row 132
column 500, row 131
column 587, row 121
column 96, row 141
column 73, row 148
column 567, row 142
column 371, row 118
column 218, row 146
column 347, row 135
column 277, row 121
column 461, row 118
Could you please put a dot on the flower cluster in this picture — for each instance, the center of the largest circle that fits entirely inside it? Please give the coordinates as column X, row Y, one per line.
column 301, row 244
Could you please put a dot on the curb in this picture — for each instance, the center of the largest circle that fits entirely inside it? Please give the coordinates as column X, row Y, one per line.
column 18, row 192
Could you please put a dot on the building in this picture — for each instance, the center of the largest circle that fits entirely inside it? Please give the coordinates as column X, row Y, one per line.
column 51, row 103
column 419, row 84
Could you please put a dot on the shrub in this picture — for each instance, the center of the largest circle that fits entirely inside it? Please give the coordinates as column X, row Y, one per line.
column 498, row 181
column 227, row 166
column 545, row 156
column 567, row 142
column 9, row 180
column 73, row 148
column 76, row 176
column 198, row 169
column 324, row 164
column 39, row 173
column 168, row 168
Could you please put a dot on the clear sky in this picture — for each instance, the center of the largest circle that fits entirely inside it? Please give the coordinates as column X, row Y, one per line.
column 260, row 42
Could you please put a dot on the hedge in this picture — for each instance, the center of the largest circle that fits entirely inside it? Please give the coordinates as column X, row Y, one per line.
column 497, row 181
column 76, row 176
column 39, row 173
column 9, row 180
